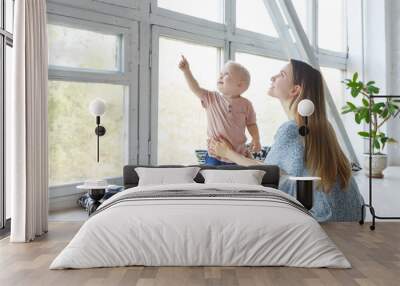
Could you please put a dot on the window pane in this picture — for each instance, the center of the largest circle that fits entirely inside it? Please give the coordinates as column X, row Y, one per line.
column 270, row 114
column 75, row 48
column 301, row 10
column 331, row 25
column 206, row 9
column 9, row 15
column 8, row 69
column 1, row 16
column 8, row 96
column 182, row 126
column 252, row 15
column 72, row 141
column 333, row 78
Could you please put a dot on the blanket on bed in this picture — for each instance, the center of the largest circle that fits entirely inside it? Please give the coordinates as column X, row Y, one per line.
column 206, row 194
column 203, row 225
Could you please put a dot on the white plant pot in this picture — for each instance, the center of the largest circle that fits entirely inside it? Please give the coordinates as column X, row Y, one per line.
column 379, row 163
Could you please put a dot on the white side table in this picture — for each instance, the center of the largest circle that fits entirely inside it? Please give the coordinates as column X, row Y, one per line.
column 304, row 190
column 96, row 193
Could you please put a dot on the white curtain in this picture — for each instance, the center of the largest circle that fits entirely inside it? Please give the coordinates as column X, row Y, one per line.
column 27, row 122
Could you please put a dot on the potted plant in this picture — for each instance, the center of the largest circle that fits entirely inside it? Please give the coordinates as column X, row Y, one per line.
column 381, row 112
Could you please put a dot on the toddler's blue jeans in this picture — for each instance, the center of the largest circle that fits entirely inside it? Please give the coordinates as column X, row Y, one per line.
column 215, row 162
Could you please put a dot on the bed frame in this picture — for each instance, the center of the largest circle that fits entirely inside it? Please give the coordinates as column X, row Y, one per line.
column 270, row 179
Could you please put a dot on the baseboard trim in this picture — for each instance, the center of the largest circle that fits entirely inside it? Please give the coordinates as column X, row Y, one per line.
column 65, row 196
column 5, row 231
column 64, row 202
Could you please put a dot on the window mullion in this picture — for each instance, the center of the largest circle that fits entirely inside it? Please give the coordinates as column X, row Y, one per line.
column 230, row 22
column 313, row 22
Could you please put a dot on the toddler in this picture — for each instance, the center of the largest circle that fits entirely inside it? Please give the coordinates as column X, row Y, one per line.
column 228, row 113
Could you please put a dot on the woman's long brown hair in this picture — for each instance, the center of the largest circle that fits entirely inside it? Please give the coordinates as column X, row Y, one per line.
column 325, row 158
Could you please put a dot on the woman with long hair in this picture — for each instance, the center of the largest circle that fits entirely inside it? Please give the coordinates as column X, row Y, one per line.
column 337, row 197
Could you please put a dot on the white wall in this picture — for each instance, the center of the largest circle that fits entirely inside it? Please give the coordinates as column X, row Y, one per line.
column 381, row 51
column 354, row 64
column 394, row 71
column 395, row 45
column 376, row 38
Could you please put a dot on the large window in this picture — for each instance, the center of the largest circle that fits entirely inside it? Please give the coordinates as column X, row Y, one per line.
column 72, row 148
column 181, row 119
column 270, row 114
column 8, row 96
column 302, row 8
column 77, row 48
column 207, row 9
column 79, row 72
column 6, row 64
column 331, row 25
column 333, row 78
column 9, row 15
column 89, row 58
column 253, row 16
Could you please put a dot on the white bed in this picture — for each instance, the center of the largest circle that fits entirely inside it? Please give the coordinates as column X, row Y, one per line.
column 184, row 230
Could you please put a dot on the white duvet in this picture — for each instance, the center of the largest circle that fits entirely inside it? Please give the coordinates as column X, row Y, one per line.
column 200, row 231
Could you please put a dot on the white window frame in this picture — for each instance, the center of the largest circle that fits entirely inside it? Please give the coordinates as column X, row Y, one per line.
column 257, row 51
column 128, row 76
column 6, row 40
column 150, row 18
column 228, row 32
column 235, row 39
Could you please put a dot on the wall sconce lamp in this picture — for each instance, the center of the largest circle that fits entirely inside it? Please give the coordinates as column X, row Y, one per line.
column 305, row 108
column 97, row 108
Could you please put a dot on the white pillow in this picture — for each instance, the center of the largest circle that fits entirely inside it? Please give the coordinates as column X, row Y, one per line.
column 165, row 176
column 248, row 177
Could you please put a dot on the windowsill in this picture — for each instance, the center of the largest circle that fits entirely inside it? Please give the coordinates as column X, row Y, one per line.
column 65, row 196
column 4, row 232
column 70, row 189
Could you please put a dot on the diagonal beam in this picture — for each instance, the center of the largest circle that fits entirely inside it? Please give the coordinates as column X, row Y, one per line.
column 282, row 28
column 285, row 19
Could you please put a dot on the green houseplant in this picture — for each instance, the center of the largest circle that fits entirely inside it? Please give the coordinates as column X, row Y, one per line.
column 381, row 112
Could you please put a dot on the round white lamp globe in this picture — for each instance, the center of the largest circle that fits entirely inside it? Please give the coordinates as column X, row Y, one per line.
column 97, row 107
column 305, row 107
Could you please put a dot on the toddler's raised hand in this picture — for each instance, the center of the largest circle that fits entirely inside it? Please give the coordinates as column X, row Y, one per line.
column 183, row 64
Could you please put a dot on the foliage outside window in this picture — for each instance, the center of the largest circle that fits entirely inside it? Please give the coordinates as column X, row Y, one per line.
column 72, row 141
column 77, row 48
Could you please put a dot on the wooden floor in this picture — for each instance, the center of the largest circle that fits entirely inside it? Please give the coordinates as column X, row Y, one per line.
column 375, row 257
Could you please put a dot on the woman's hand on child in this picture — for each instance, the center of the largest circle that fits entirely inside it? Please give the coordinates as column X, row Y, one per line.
column 255, row 146
column 184, row 64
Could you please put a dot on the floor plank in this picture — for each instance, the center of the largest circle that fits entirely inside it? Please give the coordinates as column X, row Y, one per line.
column 374, row 255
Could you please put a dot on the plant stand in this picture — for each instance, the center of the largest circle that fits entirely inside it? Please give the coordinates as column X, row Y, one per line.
column 370, row 203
